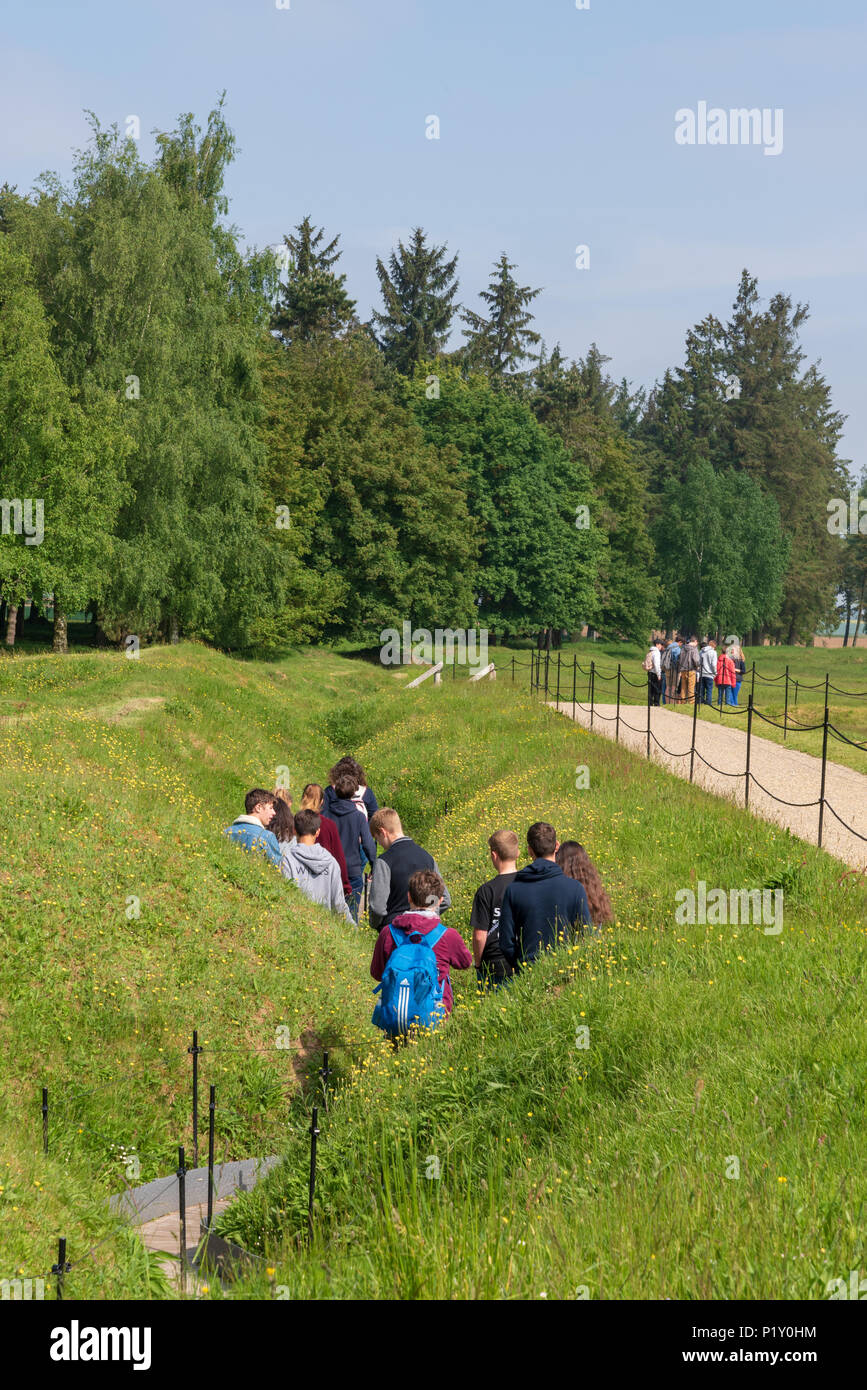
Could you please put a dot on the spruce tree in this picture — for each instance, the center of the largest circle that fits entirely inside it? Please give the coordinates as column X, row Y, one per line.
column 313, row 300
column 499, row 344
column 418, row 290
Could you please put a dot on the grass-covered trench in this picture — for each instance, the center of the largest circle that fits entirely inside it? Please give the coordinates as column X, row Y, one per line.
column 564, row 1170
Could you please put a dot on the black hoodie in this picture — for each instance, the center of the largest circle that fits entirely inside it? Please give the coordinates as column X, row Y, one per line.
column 540, row 908
column 352, row 829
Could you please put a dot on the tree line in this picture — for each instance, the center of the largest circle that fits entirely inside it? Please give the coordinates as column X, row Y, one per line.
column 224, row 449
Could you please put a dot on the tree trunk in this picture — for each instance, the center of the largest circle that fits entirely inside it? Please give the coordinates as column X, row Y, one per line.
column 173, row 630
column 11, row 624
column 61, row 642
column 848, row 622
column 860, row 610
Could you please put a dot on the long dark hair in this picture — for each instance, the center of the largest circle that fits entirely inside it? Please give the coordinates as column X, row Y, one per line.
column 576, row 863
column 283, row 824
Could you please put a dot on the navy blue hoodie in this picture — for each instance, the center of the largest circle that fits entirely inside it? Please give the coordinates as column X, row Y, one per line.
column 352, row 829
column 540, row 907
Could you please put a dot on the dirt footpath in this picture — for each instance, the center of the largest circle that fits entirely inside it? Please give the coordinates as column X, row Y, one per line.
column 782, row 772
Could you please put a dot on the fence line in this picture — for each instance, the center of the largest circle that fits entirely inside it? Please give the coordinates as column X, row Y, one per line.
column 540, row 683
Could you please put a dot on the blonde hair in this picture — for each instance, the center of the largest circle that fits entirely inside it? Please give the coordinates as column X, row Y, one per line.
column 312, row 797
column 504, row 843
column 385, row 819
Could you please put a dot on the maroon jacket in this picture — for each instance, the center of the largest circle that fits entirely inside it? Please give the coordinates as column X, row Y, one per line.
column 449, row 950
column 329, row 838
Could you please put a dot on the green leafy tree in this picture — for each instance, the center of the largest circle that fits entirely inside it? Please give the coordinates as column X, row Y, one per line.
column 61, row 466
column 537, row 569
column 313, row 300
column 418, row 291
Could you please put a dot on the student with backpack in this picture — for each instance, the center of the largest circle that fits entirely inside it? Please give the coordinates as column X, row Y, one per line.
column 412, row 958
column 492, row 968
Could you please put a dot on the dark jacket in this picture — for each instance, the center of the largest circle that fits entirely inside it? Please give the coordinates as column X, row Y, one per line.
column 368, row 798
column 389, row 882
column 354, row 835
column 540, row 908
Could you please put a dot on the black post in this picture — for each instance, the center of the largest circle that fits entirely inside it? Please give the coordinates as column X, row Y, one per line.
column 753, row 687
column 45, row 1119
column 513, row 670
column 617, row 725
column 692, row 746
column 314, row 1132
column 195, row 1050
column 648, row 718
column 182, row 1215
column 211, row 1109
column 324, row 1073
column 824, row 764
column 592, row 689
column 749, row 736
column 62, row 1267
column 558, row 677
column 547, row 665
column 796, row 694
column 786, row 706
column 574, row 679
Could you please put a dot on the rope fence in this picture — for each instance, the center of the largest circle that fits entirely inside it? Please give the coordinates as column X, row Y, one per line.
column 549, row 683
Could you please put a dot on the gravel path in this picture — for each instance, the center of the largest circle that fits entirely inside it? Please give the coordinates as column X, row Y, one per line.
column 784, row 772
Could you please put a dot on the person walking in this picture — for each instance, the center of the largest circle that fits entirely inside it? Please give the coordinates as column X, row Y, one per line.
column 740, row 665
column 311, row 867
column 252, row 831
column 576, row 863
column 420, row 919
column 669, row 671
column 402, row 857
column 708, row 663
column 312, row 799
column 725, row 679
column 355, row 836
column 492, row 968
column 541, row 908
column 654, row 670
column 688, row 665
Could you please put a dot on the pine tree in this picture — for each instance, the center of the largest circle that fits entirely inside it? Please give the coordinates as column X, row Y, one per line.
column 499, row 344
column 418, row 291
column 313, row 300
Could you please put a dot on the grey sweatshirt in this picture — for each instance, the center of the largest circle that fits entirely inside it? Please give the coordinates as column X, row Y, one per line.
column 317, row 875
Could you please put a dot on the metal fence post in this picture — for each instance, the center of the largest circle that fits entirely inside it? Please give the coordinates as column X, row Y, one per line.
column 786, row 706
column 574, row 680
column 749, row 736
column 796, row 692
column 45, row 1119
column 753, row 686
column 182, row 1215
column 547, row 668
column 211, row 1109
column 195, row 1050
column 513, row 670
column 592, row 689
column 824, row 765
column 648, row 718
column 617, row 724
column 311, row 1189
column 692, row 745
column 558, row 679
column 324, row 1073
column 62, row 1267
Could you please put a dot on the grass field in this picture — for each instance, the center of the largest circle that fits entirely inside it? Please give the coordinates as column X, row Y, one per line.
column 603, row 1171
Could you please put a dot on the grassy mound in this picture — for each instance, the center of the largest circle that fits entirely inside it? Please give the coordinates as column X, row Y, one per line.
column 600, row 1170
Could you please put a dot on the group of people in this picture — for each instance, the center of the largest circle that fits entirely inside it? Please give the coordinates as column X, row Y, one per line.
column 678, row 671
column 338, row 830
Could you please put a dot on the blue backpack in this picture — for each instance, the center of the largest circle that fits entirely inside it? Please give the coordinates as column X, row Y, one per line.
column 410, row 989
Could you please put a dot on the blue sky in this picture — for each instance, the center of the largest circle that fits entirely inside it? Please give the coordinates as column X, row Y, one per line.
column 556, row 129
